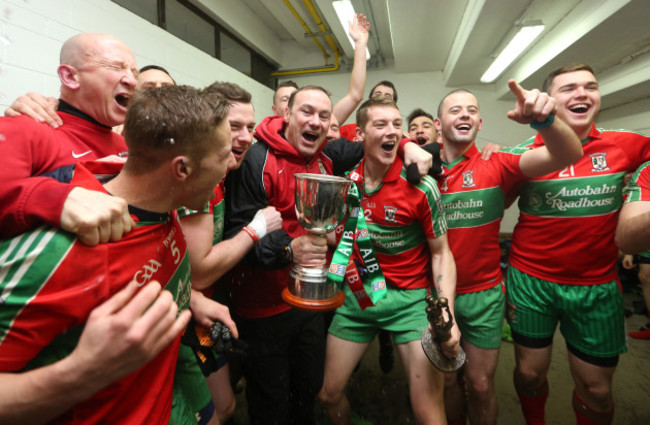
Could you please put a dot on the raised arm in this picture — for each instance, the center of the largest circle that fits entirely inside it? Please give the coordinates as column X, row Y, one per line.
column 359, row 31
column 562, row 145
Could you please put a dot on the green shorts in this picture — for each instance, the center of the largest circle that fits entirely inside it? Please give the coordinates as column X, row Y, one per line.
column 591, row 316
column 644, row 257
column 480, row 317
column 192, row 402
column 402, row 312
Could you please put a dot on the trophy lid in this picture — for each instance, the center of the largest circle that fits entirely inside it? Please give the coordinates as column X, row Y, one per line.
column 325, row 178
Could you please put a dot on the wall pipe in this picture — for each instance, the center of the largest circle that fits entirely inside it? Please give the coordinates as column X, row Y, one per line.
column 328, row 38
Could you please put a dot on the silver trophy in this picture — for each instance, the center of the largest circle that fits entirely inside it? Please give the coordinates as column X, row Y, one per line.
column 442, row 327
column 320, row 207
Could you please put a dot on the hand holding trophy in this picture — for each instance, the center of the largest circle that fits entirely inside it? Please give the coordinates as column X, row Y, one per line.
column 320, row 207
column 436, row 310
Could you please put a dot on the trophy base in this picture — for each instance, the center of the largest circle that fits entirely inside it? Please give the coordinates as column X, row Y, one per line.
column 313, row 305
column 437, row 358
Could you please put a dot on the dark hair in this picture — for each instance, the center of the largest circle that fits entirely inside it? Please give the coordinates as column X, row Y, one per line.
column 159, row 68
column 288, row 83
column 362, row 112
column 419, row 112
column 387, row 84
column 449, row 94
column 572, row 67
column 293, row 95
column 168, row 121
column 231, row 91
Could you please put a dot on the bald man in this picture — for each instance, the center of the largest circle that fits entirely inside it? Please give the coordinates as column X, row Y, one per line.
column 43, row 109
column 98, row 77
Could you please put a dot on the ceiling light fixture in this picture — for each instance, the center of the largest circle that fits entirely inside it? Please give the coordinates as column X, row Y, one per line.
column 345, row 12
column 527, row 32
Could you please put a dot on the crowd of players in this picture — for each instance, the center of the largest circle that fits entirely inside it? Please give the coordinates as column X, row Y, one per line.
column 115, row 267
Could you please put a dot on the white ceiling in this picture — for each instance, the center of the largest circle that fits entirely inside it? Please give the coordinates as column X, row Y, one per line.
column 459, row 37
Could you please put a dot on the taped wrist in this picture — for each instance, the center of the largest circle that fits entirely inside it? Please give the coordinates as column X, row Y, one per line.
column 258, row 224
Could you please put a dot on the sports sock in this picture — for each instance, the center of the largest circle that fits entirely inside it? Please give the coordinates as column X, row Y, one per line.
column 533, row 402
column 585, row 415
column 644, row 334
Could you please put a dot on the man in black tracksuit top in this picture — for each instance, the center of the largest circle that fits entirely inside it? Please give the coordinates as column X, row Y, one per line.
column 284, row 367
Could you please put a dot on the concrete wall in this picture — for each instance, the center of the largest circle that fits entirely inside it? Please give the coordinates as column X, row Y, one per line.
column 32, row 32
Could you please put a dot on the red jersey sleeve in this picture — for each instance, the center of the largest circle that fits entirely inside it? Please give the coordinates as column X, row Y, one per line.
column 28, row 149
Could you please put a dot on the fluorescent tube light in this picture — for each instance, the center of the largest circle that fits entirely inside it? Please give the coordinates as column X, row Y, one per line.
column 345, row 12
column 526, row 34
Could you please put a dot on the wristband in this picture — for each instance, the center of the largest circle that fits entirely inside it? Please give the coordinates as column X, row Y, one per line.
column 251, row 233
column 400, row 146
column 288, row 253
column 544, row 124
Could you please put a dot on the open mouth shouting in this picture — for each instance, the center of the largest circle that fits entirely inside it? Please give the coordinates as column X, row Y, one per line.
column 388, row 147
column 421, row 140
column 310, row 136
column 463, row 128
column 122, row 99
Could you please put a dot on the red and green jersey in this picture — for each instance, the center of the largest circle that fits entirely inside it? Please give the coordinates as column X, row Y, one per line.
column 216, row 208
column 638, row 189
column 473, row 196
column 50, row 282
column 565, row 232
column 639, row 186
column 401, row 217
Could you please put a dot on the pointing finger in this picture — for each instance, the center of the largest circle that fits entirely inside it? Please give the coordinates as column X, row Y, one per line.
column 517, row 90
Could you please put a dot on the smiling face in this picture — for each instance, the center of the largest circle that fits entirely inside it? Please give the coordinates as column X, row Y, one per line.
column 381, row 135
column 578, row 100
column 423, row 130
column 459, row 118
column 106, row 77
column 308, row 121
column 241, row 117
